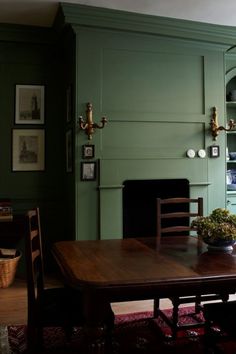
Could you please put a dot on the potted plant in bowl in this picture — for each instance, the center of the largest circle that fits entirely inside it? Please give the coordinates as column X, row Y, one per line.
column 218, row 230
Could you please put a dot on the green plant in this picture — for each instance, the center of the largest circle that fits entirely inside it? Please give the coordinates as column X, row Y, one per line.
column 219, row 225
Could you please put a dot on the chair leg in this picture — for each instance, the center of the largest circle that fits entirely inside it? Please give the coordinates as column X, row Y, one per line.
column 34, row 339
column 175, row 317
column 109, row 330
column 68, row 332
column 208, row 340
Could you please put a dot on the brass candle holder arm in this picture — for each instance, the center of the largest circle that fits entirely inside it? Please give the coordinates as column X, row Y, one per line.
column 214, row 125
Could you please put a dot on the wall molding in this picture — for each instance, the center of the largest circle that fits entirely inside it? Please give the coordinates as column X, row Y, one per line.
column 121, row 186
column 98, row 17
column 200, row 184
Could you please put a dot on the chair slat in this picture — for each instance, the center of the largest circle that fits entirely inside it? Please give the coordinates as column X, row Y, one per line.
column 34, row 234
column 175, row 229
column 179, row 215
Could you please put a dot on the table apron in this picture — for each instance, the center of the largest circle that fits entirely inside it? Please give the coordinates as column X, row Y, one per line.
column 164, row 290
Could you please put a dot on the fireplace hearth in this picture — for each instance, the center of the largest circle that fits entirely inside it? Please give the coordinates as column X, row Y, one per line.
column 139, row 203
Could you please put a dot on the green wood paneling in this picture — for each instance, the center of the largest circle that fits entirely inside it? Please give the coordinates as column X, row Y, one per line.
column 111, row 197
column 158, row 96
column 115, row 172
column 151, row 139
column 138, row 80
column 156, row 79
column 32, row 57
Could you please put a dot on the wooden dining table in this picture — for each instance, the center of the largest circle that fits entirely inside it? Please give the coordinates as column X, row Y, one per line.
column 107, row 271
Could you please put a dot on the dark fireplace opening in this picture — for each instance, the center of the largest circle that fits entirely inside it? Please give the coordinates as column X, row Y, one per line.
column 139, row 203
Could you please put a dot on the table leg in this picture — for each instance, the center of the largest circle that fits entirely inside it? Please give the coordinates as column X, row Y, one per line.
column 98, row 324
column 95, row 339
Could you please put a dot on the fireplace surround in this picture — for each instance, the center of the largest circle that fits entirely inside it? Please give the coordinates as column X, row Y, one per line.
column 139, row 203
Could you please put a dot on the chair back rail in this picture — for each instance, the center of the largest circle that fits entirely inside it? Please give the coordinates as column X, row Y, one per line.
column 188, row 208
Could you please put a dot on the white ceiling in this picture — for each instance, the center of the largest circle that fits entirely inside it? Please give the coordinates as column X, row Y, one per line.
column 42, row 12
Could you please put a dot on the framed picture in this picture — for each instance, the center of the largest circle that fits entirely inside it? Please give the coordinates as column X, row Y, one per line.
column 29, row 105
column 28, row 149
column 88, row 171
column 88, row 151
column 214, row 151
column 69, row 151
column 69, row 103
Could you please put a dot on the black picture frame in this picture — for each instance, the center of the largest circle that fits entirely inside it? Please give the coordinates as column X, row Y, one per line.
column 214, row 151
column 88, row 151
column 88, row 171
column 29, row 104
column 28, row 149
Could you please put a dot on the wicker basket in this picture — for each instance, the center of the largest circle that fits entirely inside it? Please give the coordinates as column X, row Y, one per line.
column 8, row 270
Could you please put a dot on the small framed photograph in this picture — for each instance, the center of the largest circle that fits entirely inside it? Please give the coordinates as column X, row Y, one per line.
column 29, row 105
column 28, row 150
column 214, row 151
column 88, row 171
column 88, row 151
column 69, row 103
column 69, row 151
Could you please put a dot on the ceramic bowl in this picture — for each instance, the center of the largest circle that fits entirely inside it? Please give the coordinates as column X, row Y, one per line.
column 220, row 245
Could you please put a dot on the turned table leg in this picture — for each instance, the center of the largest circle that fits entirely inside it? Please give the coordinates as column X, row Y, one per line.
column 96, row 312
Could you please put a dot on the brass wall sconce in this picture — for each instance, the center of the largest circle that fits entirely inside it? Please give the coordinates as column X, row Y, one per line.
column 89, row 126
column 215, row 128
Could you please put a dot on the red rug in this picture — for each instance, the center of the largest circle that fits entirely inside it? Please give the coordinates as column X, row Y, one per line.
column 134, row 333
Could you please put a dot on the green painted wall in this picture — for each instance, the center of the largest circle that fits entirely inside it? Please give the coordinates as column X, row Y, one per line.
column 68, row 84
column 157, row 95
column 157, row 81
column 31, row 56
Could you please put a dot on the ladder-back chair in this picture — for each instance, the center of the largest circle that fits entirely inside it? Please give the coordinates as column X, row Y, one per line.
column 174, row 216
column 48, row 307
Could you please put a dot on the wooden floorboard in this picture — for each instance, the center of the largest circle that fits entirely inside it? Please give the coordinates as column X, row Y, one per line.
column 13, row 302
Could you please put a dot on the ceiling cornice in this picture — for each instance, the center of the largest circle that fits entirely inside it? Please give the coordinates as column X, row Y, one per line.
column 97, row 17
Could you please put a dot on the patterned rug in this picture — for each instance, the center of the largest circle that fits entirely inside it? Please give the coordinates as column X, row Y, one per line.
column 134, row 333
